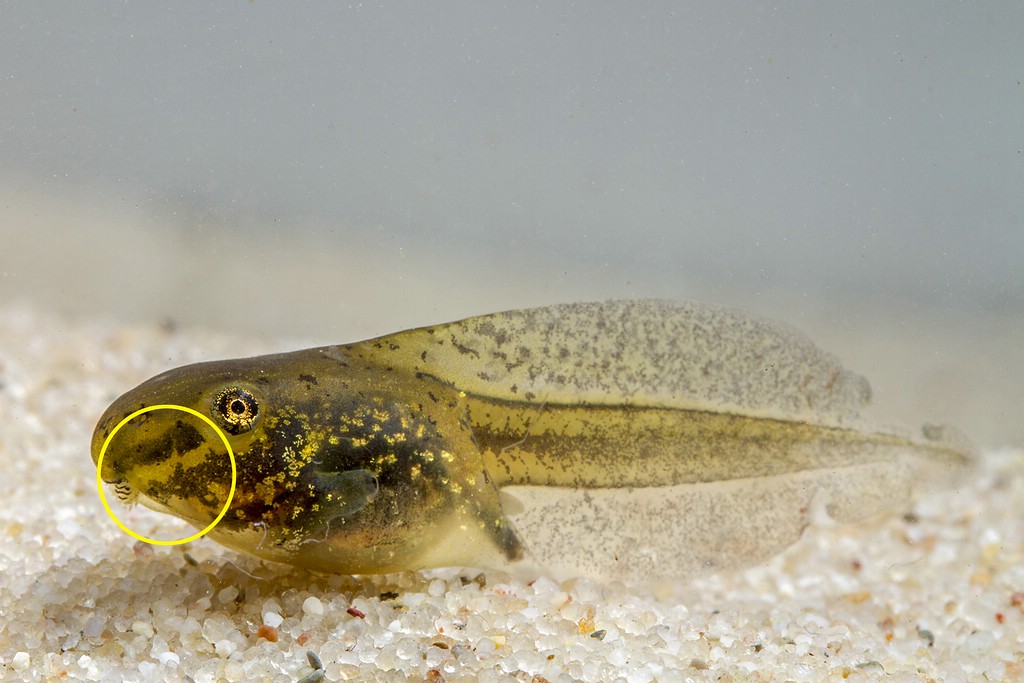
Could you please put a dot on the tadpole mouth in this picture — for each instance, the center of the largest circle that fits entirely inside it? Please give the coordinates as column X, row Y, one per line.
column 127, row 494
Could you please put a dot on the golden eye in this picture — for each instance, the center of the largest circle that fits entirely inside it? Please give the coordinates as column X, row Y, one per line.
column 236, row 410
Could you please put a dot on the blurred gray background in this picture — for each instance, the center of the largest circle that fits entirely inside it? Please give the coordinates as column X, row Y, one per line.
column 328, row 171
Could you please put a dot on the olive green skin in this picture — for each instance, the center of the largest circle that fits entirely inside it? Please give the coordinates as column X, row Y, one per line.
column 630, row 440
column 323, row 415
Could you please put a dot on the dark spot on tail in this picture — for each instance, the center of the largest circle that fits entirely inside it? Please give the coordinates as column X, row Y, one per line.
column 463, row 349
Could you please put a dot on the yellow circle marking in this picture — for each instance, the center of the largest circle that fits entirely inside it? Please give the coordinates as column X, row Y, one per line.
column 231, row 457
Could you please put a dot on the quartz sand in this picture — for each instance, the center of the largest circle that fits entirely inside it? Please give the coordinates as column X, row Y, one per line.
column 936, row 593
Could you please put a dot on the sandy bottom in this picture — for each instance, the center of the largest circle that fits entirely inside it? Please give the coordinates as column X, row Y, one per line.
column 935, row 594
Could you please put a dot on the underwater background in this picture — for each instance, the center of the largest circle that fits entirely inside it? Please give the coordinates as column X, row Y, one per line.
column 331, row 171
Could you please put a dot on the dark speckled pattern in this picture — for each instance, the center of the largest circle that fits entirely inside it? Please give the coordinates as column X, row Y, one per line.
column 629, row 439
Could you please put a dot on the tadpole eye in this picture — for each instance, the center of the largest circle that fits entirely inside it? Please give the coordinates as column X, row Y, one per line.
column 235, row 409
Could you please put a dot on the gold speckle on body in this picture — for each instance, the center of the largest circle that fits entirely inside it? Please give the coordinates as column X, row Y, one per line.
column 630, row 440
